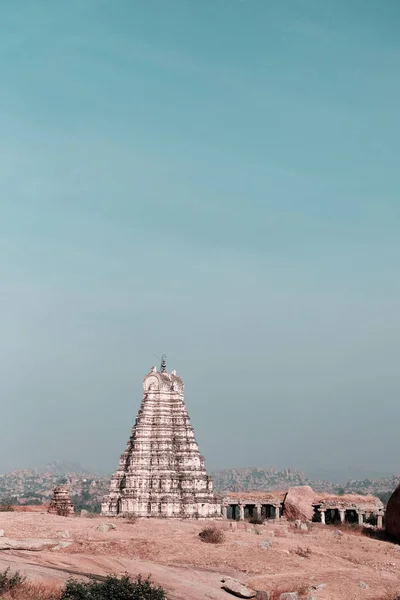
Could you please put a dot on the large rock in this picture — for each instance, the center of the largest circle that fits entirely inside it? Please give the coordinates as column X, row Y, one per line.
column 298, row 503
column 237, row 589
column 393, row 515
column 26, row 544
column 104, row 527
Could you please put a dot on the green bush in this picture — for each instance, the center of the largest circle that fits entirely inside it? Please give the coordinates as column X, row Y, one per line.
column 113, row 588
column 8, row 581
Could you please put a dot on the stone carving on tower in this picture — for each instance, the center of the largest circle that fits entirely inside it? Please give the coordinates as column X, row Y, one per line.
column 161, row 472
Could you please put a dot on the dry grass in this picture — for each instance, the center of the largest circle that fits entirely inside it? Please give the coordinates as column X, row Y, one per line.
column 212, row 535
column 353, row 528
column 31, row 507
column 14, row 585
column 33, row 591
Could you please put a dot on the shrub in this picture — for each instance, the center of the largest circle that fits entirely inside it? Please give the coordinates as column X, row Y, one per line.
column 9, row 581
column 256, row 520
column 63, row 511
column 303, row 552
column 113, row 588
column 212, row 535
column 6, row 507
column 130, row 518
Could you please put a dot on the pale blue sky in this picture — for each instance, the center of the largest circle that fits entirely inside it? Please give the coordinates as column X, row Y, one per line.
column 216, row 180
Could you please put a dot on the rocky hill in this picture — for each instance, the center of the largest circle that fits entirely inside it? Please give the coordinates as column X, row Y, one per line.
column 269, row 479
column 235, row 480
column 36, row 486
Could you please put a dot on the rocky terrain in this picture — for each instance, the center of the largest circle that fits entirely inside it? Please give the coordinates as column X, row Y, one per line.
column 320, row 562
column 87, row 489
column 36, row 486
column 236, row 480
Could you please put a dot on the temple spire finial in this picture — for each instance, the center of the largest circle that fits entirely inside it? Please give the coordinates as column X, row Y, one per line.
column 163, row 368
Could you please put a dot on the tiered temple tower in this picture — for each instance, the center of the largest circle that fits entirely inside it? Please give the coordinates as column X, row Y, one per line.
column 161, row 472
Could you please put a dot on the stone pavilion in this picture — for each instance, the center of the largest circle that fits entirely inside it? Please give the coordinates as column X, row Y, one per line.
column 161, row 473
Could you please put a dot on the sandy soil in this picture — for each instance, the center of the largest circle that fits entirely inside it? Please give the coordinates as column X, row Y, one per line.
column 351, row 566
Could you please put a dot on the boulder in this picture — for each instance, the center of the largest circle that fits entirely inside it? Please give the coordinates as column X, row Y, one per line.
column 262, row 595
column 104, row 527
column 289, row 596
column 63, row 534
column 27, row 544
column 62, row 545
column 1, row 532
column 298, row 503
column 237, row 588
column 393, row 515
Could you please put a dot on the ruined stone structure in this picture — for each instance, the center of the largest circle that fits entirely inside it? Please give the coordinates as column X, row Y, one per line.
column 303, row 503
column 61, row 502
column 161, row 472
column 244, row 505
column 351, row 508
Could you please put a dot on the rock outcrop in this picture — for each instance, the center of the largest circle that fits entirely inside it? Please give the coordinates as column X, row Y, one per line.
column 238, row 589
column 298, row 503
column 161, row 472
column 393, row 515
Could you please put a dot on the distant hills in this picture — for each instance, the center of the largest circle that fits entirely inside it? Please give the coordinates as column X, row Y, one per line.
column 235, row 480
column 270, row 479
column 35, row 486
column 59, row 467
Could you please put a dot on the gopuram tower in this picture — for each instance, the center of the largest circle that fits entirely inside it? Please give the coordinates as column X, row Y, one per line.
column 161, row 472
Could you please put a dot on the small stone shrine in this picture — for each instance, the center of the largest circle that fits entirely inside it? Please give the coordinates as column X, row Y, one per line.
column 61, row 502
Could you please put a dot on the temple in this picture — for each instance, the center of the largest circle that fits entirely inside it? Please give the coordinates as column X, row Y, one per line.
column 161, row 472
column 61, row 503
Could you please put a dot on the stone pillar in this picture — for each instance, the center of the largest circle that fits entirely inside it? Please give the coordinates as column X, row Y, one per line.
column 380, row 521
column 360, row 518
column 224, row 511
column 258, row 511
column 322, row 516
column 342, row 515
column 277, row 512
column 241, row 509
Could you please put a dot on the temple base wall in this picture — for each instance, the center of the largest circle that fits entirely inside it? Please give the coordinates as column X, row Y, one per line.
column 165, row 510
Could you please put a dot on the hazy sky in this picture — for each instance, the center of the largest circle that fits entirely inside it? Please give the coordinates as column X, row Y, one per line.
column 216, row 180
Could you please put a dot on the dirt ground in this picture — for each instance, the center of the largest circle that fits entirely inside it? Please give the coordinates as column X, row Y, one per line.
column 351, row 566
